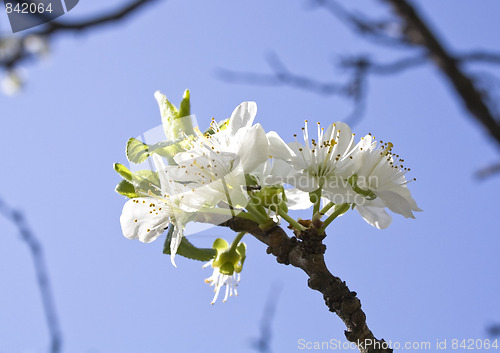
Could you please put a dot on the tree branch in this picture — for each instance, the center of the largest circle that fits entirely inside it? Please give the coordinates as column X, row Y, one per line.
column 305, row 250
column 385, row 32
column 92, row 23
column 419, row 34
column 281, row 76
column 390, row 68
column 55, row 27
column 410, row 30
column 41, row 271
column 359, row 67
column 479, row 56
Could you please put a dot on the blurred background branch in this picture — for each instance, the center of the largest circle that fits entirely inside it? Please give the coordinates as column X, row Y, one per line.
column 31, row 45
column 493, row 330
column 262, row 344
column 17, row 218
column 403, row 29
column 15, row 50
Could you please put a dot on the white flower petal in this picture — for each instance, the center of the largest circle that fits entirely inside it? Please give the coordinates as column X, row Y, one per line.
column 375, row 216
column 299, row 160
column 138, row 221
column 278, row 148
column 297, row 199
column 396, row 203
column 242, row 117
column 405, row 192
column 253, row 148
column 342, row 133
column 176, row 241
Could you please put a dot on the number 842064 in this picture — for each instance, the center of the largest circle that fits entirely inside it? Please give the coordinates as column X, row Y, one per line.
column 31, row 7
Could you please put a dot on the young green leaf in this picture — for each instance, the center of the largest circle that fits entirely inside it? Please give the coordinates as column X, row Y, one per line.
column 126, row 189
column 137, row 151
column 123, row 171
column 185, row 106
column 144, row 178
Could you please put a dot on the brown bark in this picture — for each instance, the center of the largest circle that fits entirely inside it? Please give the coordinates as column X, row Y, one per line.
column 306, row 251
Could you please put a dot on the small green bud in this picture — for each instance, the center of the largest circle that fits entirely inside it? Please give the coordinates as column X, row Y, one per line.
column 227, row 268
column 220, row 244
column 228, row 260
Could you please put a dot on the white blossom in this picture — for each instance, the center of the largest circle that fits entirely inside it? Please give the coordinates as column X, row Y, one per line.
column 317, row 163
column 215, row 164
column 380, row 175
column 146, row 218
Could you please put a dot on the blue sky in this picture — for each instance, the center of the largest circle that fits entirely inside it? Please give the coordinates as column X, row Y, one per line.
column 427, row 279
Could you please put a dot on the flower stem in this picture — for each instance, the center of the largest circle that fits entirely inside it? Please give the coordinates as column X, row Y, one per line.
column 339, row 209
column 290, row 220
column 228, row 196
column 315, row 198
column 323, row 211
column 258, row 217
column 236, row 241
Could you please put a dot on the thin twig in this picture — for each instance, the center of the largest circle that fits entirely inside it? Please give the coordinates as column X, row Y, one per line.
column 49, row 29
column 354, row 88
column 281, row 76
column 479, row 57
column 94, row 22
column 385, row 32
column 41, row 271
column 488, row 171
column 389, row 68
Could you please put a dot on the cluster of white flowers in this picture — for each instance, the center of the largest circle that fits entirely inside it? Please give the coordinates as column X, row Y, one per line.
column 368, row 177
column 236, row 169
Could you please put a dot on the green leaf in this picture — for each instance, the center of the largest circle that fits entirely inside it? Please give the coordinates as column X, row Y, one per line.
column 185, row 106
column 168, row 113
column 123, row 171
column 167, row 109
column 126, row 189
column 167, row 149
column 143, row 178
column 188, row 250
column 137, row 151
